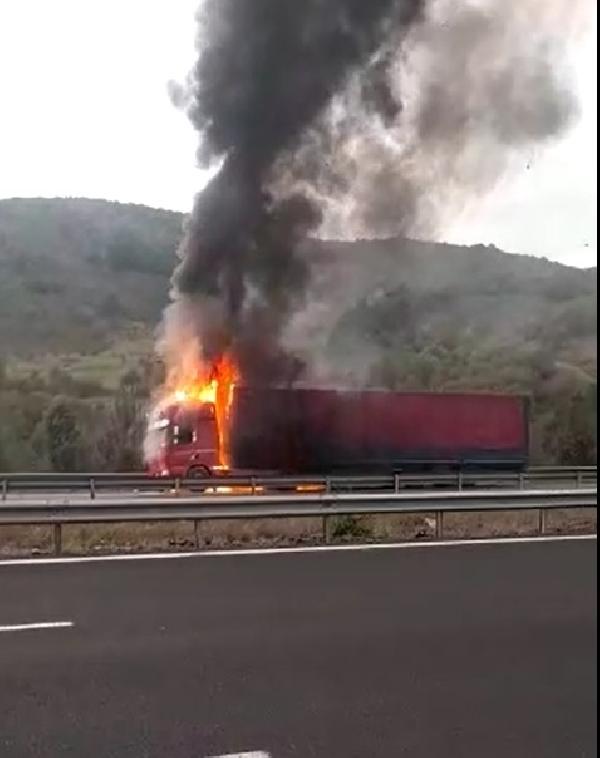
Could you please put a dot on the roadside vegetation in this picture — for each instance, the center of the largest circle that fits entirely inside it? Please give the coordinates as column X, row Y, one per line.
column 83, row 283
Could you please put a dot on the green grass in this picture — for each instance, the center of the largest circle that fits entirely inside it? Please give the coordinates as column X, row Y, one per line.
column 103, row 368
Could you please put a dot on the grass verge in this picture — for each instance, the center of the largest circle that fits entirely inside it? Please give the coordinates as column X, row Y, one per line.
column 99, row 539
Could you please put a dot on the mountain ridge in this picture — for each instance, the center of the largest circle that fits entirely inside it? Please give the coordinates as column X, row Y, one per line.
column 83, row 283
column 77, row 270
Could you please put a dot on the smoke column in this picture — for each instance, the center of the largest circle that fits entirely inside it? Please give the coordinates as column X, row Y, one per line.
column 346, row 118
column 471, row 90
column 267, row 70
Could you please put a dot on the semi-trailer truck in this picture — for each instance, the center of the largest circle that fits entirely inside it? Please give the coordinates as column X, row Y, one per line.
column 312, row 431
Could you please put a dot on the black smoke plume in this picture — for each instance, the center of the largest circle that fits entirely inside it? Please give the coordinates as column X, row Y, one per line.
column 267, row 70
column 348, row 117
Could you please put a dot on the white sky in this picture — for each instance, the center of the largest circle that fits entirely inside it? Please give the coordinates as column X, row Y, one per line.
column 84, row 112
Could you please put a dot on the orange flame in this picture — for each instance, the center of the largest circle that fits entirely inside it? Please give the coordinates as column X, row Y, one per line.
column 216, row 387
column 224, row 378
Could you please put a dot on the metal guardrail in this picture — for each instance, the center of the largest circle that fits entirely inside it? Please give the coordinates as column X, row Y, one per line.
column 324, row 505
column 93, row 483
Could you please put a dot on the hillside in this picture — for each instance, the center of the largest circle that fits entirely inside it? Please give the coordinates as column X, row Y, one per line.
column 76, row 273
column 83, row 283
column 372, row 300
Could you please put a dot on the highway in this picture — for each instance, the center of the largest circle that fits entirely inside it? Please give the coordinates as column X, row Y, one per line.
column 451, row 650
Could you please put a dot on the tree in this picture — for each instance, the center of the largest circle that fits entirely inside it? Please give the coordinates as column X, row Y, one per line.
column 121, row 427
column 63, row 436
column 572, row 436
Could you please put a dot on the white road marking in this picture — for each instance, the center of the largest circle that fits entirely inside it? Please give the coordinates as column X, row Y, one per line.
column 290, row 550
column 251, row 754
column 41, row 625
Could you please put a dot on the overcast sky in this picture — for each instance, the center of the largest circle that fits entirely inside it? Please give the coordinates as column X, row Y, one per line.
column 84, row 113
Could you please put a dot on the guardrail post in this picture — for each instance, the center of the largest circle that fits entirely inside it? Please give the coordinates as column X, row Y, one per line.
column 326, row 530
column 327, row 519
column 541, row 521
column 92, row 489
column 396, row 483
column 177, row 485
column 579, row 479
column 439, row 525
column 521, row 481
column 4, row 488
column 253, row 485
column 460, row 480
column 196, row 534
column 57, row 539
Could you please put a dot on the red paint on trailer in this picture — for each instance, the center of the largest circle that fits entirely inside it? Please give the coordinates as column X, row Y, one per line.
column 322, row 430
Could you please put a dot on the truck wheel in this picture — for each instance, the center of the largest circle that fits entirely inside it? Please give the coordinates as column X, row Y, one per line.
column 198, row 472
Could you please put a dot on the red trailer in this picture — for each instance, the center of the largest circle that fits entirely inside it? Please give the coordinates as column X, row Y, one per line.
column 315, row 431
column 325, row 431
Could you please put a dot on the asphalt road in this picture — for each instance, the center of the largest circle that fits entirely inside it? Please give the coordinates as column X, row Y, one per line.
column 483, row 650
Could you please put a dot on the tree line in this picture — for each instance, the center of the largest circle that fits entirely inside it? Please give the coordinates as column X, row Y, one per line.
column 56, row 423
column 73, row 429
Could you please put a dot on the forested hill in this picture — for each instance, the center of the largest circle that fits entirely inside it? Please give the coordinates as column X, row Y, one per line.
column 74, row 274
column 83, row 283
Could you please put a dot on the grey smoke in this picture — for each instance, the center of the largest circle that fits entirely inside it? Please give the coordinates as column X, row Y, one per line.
column 476, row 84
column 346, row 118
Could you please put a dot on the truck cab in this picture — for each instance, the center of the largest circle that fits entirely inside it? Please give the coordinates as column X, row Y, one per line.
column 183, row 441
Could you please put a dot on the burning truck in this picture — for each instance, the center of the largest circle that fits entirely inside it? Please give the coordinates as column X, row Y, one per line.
column 224, row 427
column 341, row 119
